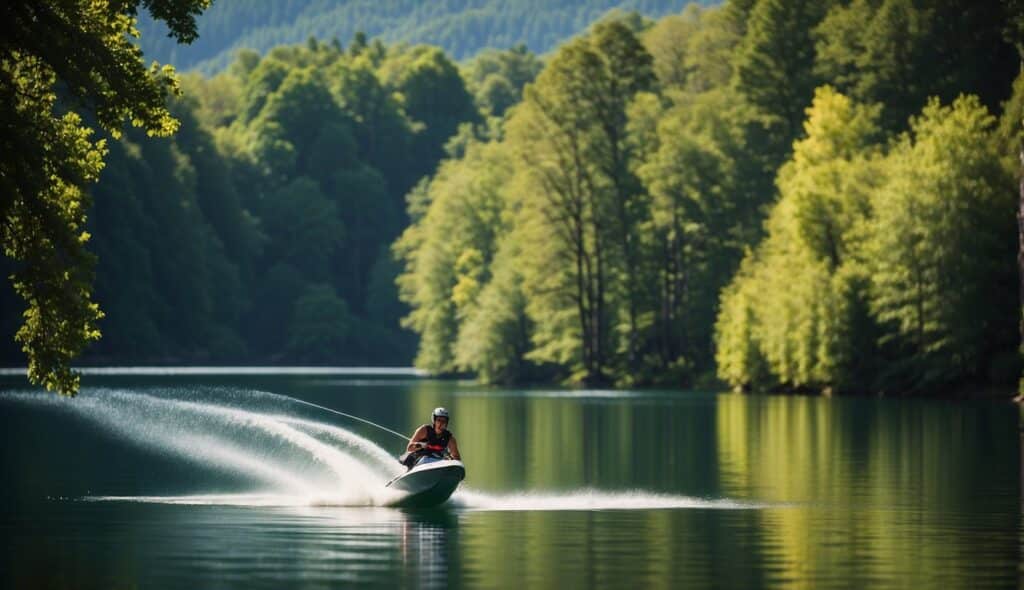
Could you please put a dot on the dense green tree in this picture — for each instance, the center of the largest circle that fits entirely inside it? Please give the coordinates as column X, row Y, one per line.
column 1011, row 141
column 562, row 224
column 625, row 70
column 125, row 281
column 773, row 81
column 703, row 153
column 447, row 248
column 570, row 136
column 494, row 334
column 689, row 179
column 320, row 326
column 275, row 294
column 901, row 52
column 668, row 43
column 380, row 339
column 150, row 229
column 941, row 248
column 740, row 362
column 302, row 115
column 382, row 131
column 49, row 156
column 371, row 220
column 796, row 309
column 216, row 100
column 709, row 58
column 302, row 227
column 217, row 196
column 497, row 78
column 878, row 274
column 774, row 68
column 260, row 83
column 434, row 95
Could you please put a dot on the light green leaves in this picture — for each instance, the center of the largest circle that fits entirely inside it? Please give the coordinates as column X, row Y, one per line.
column 49, row 158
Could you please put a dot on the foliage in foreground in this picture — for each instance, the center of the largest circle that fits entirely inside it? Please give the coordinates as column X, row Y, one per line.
column 50, row 155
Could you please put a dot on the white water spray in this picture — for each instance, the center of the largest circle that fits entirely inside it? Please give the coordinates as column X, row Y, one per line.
column 589, row 499
column 282, row 456
column 290, row 460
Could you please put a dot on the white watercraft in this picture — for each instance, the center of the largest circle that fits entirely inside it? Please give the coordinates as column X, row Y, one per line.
column 429, row 483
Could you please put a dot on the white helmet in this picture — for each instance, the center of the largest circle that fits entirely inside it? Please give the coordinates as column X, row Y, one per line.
column 439, row 413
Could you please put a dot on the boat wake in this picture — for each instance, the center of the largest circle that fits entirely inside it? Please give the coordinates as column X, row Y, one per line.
column 286, row 459
column 263, row 442
column 588, row 499
column 468, row 501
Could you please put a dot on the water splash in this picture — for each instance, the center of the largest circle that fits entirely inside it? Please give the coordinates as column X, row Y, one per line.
column 589, row 499
column 291, row 460
column 472, row 501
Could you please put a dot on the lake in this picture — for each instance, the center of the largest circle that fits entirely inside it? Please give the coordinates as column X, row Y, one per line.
column 215, row 479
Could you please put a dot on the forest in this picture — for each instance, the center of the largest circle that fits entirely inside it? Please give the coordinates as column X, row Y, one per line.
column 261, row 230
column 766, row 194
column 461, row 27
column 814, row 196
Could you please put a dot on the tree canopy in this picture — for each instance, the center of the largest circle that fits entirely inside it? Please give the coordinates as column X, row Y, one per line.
column 280, row 193
column 64, row 67
column 768, row 193
column 773, row 193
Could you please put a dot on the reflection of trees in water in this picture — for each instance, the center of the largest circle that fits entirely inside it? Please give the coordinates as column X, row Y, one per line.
column 876, row 478
column 880, row 490
column 557, row 440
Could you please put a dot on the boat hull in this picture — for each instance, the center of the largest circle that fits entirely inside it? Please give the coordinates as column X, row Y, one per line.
column 428, row 484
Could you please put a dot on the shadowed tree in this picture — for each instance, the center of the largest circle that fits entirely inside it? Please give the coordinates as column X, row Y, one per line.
column 774, row 67
column 320, row 325
column 84, row 48
column 941, row 246
column 497, row 78
column 901, row 52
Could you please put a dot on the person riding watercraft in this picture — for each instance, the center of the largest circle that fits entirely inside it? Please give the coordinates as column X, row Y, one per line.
column 431, row 440
column 435, row 469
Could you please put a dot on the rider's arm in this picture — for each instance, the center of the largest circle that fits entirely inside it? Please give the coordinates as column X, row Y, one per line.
column 415, row 443
column 453, row 448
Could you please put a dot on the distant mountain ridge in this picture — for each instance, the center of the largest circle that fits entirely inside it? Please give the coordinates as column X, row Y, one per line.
column 460, row 27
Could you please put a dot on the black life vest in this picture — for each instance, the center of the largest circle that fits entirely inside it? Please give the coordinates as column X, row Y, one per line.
column 437, row 440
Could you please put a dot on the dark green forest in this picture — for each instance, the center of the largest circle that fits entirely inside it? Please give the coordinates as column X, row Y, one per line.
column 261, row 230
column 772, row 194
column 461, row 27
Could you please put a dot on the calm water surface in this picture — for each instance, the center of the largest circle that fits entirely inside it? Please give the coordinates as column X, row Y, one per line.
column 221, row 480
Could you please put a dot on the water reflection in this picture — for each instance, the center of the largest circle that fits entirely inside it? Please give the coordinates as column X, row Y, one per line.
column 429, row 540
column 794, row 492
column 882, row 492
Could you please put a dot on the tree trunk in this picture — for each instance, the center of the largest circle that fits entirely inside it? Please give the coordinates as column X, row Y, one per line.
column 599, row 309
column 665, row 323
column 581, row 303
column 1020, row 263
